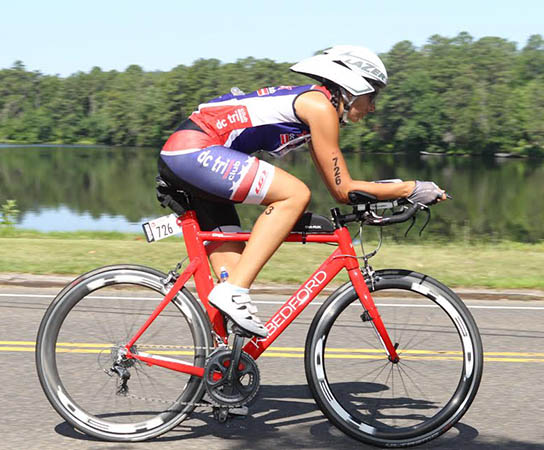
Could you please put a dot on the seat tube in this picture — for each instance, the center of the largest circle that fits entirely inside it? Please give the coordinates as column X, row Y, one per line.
column 190, row 227
column 195, row 249
column 359, row 283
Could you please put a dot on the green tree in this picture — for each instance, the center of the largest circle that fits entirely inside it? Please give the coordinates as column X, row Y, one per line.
column 454, row 94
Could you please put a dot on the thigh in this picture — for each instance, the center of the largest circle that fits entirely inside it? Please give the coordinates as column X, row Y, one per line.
column 216, row 170
column 222, row 172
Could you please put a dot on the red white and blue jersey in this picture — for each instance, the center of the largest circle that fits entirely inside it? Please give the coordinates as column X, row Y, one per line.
column 261, row 120
column 215, row 157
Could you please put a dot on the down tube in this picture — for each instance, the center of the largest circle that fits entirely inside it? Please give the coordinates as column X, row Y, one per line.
column 296, row 303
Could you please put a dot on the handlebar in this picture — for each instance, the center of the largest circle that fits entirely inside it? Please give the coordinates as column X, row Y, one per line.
column 366, row 207
column 400, row 217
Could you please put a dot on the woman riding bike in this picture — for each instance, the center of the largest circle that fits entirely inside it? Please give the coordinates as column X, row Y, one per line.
column 209, row 156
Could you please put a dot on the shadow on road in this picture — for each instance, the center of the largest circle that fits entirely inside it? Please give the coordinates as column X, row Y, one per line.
column 287, row 417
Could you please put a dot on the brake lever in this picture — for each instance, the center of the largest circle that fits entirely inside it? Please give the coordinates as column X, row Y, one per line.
column 428, row 211
column 410, row 227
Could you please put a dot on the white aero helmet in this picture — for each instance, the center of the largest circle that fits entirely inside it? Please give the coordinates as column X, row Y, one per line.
column 356, row 70
column 348, row 66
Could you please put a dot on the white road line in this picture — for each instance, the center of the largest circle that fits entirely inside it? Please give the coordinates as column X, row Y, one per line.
column 413, row 305
column 314, row 303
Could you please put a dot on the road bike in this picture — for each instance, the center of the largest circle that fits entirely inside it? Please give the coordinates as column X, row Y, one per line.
column 126, row 352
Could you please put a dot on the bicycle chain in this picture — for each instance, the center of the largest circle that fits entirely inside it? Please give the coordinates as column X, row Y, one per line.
column 189, row 347
column 207, row 404
column 166, row 402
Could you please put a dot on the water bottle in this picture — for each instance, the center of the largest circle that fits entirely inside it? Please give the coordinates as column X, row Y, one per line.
column 223, row 276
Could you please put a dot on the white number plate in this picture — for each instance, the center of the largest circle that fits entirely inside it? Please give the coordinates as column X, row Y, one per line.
column 161, row 228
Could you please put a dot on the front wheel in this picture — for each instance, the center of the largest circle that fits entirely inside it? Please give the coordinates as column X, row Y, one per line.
column 79, row 354
column 395, row 404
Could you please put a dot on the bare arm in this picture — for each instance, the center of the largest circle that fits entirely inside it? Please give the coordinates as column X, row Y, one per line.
column 317, row 112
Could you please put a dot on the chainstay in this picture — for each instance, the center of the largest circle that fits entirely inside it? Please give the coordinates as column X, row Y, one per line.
column 209, row 403
column 206, row 404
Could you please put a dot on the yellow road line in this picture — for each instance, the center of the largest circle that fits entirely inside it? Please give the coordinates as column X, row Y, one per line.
column 292, row 352
column 406, row 358
column 370, row 350
column 290, row 349
column 513, row 360
column 16, row 349
column 290, row 355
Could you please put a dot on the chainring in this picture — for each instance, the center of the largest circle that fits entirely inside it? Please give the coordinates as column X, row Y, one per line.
column 241, row 389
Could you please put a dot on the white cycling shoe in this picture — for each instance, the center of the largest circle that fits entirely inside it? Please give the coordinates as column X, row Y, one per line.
column 237, row 305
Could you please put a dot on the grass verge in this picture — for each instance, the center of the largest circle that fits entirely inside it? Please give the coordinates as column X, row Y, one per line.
column 504, row 265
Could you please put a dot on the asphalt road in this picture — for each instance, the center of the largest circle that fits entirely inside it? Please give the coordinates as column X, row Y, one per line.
column 507, row 412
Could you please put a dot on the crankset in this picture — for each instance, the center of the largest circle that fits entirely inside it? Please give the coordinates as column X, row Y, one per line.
column 231, row 376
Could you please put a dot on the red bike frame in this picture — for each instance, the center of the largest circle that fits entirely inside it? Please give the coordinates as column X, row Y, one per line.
column 343, row 257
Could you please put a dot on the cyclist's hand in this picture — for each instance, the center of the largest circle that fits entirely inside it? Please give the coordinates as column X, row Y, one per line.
column 427, row 193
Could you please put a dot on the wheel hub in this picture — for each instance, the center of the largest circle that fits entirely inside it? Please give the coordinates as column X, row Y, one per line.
column 118, row 354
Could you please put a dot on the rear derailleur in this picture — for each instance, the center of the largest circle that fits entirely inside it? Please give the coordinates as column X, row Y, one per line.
column 120, row 367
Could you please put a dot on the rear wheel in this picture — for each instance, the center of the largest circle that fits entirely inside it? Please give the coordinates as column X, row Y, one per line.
column 80, row 362
column 395, row 404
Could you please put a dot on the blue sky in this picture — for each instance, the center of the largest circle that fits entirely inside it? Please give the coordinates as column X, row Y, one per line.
column 62, row 37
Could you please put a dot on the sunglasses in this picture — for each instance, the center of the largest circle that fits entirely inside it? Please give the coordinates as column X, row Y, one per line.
column 373, row 95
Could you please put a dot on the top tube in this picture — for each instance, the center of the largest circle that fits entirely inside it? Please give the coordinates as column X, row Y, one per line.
column 244, row 236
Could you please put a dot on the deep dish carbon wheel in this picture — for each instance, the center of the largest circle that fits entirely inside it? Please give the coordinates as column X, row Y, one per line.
column 81, row 338
column 380, row 402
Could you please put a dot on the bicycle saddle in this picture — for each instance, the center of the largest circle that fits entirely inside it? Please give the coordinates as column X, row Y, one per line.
column 170, row 197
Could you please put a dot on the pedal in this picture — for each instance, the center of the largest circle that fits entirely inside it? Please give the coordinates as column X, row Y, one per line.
column 221, row 413
column 241, row 332
column 241, row 412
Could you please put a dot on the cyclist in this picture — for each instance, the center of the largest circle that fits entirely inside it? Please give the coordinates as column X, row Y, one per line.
column 209, row 155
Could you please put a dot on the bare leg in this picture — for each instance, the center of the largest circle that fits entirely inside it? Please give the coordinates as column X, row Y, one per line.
column 286, row 200
column 226, row 255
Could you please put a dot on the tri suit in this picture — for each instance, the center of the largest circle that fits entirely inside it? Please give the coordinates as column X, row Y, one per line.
column 210, row 153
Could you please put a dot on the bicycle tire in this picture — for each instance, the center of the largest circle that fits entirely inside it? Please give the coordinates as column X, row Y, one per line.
column 80, row 334
column 448, row 355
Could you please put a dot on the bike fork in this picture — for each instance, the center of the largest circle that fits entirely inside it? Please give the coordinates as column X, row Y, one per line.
column 372, row 314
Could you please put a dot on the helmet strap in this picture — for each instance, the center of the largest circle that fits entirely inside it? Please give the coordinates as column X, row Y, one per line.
column 336, row 96
column 348, row 100
column 339, row 93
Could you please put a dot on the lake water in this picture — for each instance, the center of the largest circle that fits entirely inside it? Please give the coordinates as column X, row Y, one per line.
column 112, row 189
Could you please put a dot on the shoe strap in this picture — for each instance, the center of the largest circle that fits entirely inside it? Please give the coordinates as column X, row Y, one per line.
column 244, row 299
column 241, row 298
